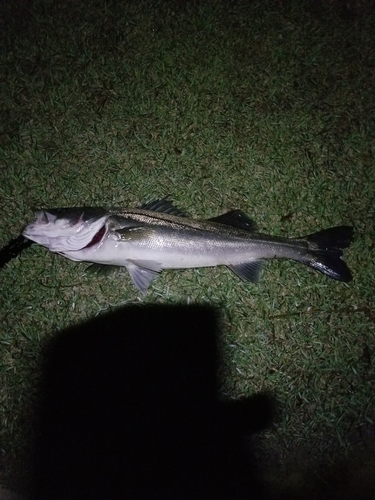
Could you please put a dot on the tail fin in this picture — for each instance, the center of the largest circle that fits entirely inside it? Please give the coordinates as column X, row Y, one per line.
column 325, row 252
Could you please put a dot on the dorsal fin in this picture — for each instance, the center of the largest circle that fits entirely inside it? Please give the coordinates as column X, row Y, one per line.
column 236, row 218
column 164, row 206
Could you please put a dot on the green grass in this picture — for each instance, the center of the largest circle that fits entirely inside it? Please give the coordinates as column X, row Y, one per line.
column 250, row 105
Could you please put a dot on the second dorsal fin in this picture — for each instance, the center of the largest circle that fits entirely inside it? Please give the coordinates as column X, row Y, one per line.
column 236, row 218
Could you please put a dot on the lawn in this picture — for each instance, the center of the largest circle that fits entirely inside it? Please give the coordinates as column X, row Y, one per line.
column 263, row 106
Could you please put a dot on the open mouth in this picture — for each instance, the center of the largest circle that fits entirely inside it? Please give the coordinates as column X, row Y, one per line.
column 97, row 238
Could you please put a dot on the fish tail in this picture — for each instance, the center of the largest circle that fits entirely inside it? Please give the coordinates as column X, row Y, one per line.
column 325, row 252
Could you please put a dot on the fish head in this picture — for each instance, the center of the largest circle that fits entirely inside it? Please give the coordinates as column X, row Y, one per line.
column 68, row 229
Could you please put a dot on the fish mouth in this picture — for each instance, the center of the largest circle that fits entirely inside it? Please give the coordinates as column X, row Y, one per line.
column 97, row 238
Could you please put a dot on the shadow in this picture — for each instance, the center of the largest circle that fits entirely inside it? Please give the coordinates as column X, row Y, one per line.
column 128, row 409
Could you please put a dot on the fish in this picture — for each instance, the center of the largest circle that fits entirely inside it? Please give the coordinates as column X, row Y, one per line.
column 158, row 235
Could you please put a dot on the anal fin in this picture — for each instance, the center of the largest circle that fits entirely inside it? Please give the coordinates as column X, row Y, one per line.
column 248, row 271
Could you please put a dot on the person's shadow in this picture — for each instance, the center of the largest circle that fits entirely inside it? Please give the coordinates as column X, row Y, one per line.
column 129, row 409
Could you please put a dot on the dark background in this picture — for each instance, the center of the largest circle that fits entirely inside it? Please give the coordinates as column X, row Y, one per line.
column 129, row 408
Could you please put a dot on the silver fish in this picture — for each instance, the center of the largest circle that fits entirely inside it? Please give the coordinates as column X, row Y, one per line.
column 159, row 236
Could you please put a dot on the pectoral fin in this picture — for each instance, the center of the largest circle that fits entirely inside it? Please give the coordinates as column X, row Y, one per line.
column 142, row 272
column 135, row 233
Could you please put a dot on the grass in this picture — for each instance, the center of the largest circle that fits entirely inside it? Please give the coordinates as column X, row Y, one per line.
column 263, row 106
